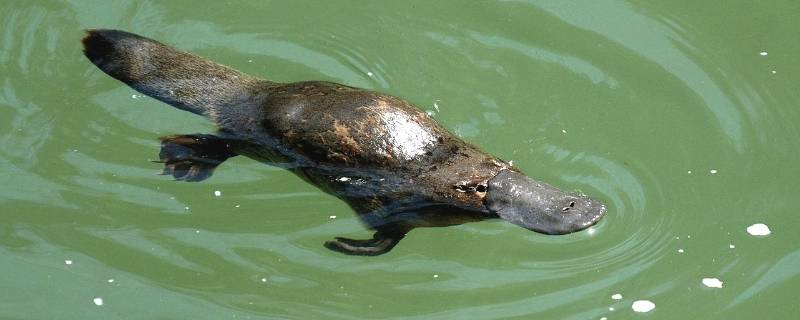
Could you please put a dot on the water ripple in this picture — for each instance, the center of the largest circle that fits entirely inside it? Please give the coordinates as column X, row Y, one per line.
column 627, row 103
column 656, row 42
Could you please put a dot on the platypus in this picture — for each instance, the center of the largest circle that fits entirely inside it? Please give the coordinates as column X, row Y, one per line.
column 394, row 165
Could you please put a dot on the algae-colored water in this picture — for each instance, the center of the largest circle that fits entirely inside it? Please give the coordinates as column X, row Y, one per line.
column 681, row 116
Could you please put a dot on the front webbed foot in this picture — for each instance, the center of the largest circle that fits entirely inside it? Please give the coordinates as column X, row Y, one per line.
column 379, row 244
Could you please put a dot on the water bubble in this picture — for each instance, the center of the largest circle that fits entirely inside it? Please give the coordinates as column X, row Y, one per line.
column 758, row 229
column 98, row 301
column 643, row 306
column 712, row 282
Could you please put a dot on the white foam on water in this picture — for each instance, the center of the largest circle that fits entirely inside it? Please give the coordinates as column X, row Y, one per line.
column 713, row 171
column 643, row 306
column 763, row 53
column 68, row 262
column 731, row 246
column 616, row 296
column 680, row 250
column 217, row 193
column 712, row 282
column 332, row 217
column 758, row 229
column 98, row 301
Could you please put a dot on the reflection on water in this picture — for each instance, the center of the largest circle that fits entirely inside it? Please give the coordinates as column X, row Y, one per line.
column 633, row 104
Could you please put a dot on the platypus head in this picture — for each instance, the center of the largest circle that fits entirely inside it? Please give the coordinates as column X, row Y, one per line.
column 538, row 206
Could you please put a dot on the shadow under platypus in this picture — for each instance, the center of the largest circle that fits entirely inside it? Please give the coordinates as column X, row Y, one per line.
column 393, row 164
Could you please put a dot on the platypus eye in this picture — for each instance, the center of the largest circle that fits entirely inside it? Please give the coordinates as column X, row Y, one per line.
column 480, row 188
column 571, row 205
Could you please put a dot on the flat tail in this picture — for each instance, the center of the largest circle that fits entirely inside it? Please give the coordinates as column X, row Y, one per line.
column 178, row 78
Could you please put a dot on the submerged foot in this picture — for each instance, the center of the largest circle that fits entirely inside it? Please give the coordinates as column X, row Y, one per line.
column 193, row 157
column 379, row 244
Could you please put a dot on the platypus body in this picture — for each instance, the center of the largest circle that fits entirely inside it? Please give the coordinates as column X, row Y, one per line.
column 392, row 163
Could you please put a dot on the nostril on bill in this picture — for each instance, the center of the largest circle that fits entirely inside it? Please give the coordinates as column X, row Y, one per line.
column 571, row 205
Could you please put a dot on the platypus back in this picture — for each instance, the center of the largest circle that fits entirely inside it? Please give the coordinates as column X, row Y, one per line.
column 181, row 79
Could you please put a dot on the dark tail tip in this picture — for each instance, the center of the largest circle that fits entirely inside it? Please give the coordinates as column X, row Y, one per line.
column 109, row 49
column 97, row 46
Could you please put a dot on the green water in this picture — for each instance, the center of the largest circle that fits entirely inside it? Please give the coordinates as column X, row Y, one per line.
column 634, row 103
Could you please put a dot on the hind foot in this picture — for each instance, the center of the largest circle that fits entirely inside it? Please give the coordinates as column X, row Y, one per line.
column 379, row 244
column 193, row 157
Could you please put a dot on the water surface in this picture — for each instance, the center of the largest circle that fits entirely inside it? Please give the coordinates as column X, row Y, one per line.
column 682, row 117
